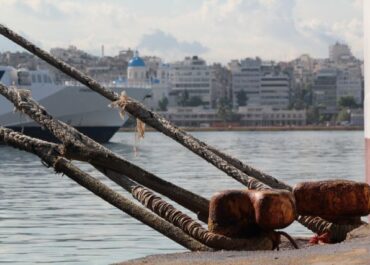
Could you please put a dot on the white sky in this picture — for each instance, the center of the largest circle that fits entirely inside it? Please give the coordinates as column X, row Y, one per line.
column 217, row 30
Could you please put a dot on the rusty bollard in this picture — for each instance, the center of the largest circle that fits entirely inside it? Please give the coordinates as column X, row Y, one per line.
column 338, row 201
column 244, row 213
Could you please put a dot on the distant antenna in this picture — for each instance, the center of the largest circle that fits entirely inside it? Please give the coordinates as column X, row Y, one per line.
column 102, row 51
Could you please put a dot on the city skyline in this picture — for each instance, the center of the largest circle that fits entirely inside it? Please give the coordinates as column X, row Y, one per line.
column 216, row 30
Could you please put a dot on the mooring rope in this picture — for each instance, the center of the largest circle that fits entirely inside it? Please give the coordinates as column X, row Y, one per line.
column 290, row 239
column 337, row 233
column 121, row 104
column 254, row 184
column 170, row 213
column 193, row 228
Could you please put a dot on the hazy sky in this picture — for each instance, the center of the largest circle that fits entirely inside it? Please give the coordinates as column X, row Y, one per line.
column 217, row 30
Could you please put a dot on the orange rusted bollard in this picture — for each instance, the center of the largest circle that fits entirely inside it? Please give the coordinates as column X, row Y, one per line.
column 238, row 213
column 332, row 199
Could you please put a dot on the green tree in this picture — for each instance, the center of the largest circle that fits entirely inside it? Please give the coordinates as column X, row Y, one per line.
column 241, row 98
column 194, row 101
column 183, row 98
column 163, row 103
column 343, row 115
column 298, row 105
column 347, row 102
column 224, row 111
column 313, row 115
column 307, row 97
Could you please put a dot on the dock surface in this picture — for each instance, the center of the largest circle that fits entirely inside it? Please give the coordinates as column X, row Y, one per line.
column 354, row 250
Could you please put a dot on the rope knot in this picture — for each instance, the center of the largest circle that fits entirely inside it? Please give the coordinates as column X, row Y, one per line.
column 121, row 104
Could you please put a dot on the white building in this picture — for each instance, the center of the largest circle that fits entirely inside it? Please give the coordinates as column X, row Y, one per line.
column 325, row 90
column 357, row 117
column 340, row 52
column 246, row 76
column 137, row 71
column 303, row 69
column 270, row 116
column 192, row 116
column 275, row 90
column 262, row 83
column 349, row 83
column 220, row 84
column 73, row 55
column 249, row 116
column 153, row 74
column 126, row 55
column 161, row 85
column 163, row 73
column 192, row 77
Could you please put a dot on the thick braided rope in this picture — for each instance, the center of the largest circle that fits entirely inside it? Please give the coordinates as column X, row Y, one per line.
column 193, row 228
column 26, row 143
column 166, row 210
column 320, row 226
column 254, row 184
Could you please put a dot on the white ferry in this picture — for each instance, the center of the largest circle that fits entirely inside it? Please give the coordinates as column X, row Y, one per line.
column 71, row 103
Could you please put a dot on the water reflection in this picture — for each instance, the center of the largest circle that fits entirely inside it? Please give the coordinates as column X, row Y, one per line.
column 47, row 218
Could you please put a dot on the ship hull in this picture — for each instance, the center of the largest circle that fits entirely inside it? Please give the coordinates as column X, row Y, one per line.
column 77, row 106
column 99, row 134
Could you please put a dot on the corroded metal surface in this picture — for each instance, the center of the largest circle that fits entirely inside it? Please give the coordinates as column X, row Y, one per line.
column 332, row 198
column 246, row 212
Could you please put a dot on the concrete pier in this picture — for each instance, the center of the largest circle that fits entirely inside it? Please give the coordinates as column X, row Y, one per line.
column 354, row 250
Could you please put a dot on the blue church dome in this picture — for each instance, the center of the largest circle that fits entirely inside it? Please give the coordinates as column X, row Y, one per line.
column 136, row 61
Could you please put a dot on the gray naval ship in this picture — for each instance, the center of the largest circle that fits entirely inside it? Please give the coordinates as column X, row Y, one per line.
column 71, row 103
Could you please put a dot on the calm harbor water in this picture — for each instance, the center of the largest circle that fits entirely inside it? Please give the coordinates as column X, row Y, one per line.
column 47, row 218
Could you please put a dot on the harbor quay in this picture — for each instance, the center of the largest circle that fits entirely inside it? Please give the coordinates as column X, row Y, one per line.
column 354, row 251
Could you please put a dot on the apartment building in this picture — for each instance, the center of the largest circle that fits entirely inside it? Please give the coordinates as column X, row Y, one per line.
column 275, row 90
column 220, row 85
column 325, row 90
column 349, row 83
column 263, row 83
column 246, row 76
column 191, row 77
